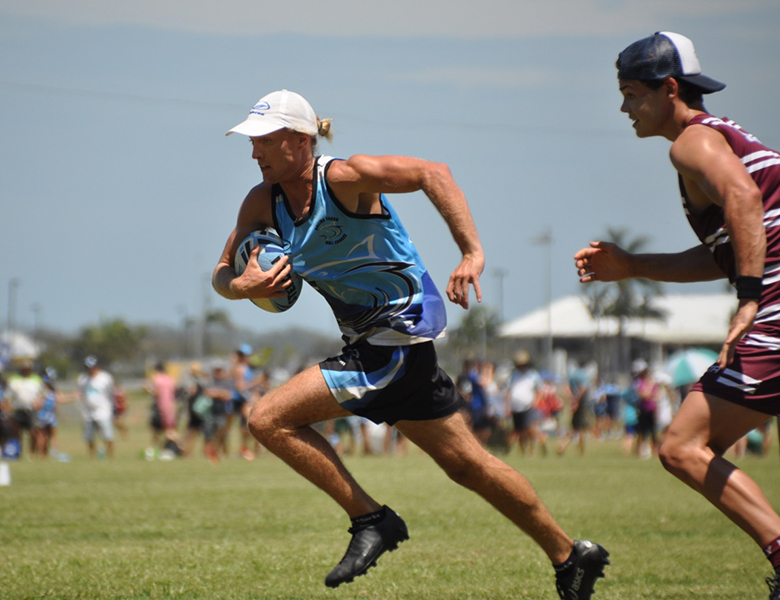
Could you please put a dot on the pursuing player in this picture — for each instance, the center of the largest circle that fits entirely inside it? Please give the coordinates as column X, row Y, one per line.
column 346, row 240
column 730, row 186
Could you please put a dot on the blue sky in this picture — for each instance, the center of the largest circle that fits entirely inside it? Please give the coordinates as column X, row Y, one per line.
column 118, row 187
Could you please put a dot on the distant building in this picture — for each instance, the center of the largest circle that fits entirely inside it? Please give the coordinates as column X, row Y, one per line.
column 691, row 320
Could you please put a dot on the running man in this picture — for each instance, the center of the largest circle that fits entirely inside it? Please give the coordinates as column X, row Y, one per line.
column 730, row 185
column 344, row 238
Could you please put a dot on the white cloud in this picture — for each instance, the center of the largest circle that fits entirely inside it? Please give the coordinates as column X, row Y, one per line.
column 451, row 18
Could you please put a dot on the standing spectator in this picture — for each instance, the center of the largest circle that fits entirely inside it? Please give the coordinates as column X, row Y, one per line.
column 495, row 395
column 497, row 412
column 601, row 423
column 163, row 390
column 24, row 395
column 647, row 391
column 120, row 408
column 220, row 391
column 548, row 405
column 96, row 388
column 630, row 402
column 521, row 389
column 612, row 395
column 667, row 405
column 46, row 417
column 470, row 385
column 580, row 397
column 198, row 406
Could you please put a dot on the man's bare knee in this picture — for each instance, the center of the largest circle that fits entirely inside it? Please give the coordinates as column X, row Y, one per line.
column 260, row 424
column 469, row 472
column 674, row 456
column 462, row 473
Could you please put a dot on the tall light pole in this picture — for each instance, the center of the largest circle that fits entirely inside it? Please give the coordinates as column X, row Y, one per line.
column 546, row 239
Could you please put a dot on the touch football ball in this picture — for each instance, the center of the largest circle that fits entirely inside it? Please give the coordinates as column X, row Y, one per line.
column 271, row 250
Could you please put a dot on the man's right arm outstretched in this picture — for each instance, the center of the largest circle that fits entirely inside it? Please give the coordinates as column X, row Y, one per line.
column 605, row 261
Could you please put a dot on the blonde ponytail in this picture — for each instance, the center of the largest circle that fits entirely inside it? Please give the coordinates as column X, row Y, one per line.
column 323, row 128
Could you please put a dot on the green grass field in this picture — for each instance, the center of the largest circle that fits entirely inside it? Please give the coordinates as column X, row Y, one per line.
column 131, row 528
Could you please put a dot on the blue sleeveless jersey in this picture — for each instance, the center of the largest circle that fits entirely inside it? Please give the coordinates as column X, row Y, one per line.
column 365, row 266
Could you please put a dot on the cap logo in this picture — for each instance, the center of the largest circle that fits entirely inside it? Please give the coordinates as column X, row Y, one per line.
column 260, row 108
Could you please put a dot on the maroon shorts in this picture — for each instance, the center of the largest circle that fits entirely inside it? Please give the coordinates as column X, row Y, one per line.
column 751, row 380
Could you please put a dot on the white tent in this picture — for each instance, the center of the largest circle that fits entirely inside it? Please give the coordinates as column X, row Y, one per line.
column 690, row 319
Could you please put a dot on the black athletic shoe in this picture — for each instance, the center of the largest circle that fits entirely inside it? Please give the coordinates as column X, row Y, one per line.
column 368, row 543
column 774, row 586
column 576, row 581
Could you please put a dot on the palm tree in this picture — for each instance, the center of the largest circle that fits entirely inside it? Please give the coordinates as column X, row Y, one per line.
column 627, row 299
column 477, row 332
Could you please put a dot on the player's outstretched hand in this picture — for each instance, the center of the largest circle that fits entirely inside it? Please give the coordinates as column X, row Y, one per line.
column 256, row 283
column 740, row 325
column 602, row 261
column 465, row 275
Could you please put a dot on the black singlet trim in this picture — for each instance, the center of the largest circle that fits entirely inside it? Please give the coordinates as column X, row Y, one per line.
column 276, row 191
column 385, row 214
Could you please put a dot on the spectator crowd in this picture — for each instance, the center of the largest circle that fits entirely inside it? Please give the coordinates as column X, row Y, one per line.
column 508, row 406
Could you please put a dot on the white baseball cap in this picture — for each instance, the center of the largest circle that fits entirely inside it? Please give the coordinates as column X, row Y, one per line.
column 279, row 110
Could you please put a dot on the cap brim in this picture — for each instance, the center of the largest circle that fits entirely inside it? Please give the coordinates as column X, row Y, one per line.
column 706, row 84
column 255, row 128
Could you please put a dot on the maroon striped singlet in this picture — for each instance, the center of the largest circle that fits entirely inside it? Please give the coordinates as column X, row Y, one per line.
column 753, row 379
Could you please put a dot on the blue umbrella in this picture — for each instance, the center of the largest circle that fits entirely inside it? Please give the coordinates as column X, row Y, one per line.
column 687, row 366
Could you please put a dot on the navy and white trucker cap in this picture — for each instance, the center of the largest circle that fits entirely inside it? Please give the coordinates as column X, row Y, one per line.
column 665, row 54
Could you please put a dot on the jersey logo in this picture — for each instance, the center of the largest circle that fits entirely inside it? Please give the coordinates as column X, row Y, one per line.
column 330, row 231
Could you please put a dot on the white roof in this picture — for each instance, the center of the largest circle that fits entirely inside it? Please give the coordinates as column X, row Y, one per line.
column 690, row 318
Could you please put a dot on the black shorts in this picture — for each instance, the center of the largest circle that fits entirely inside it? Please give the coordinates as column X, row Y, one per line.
column 155, row 420
column 24, row 418
column 387, row 384
column 481, row 420
column 195, row 422
column 579, row 419
column 646, row 423
column 522, row 420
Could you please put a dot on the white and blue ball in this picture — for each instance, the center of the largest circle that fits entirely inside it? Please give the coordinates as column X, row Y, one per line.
column 271, row 250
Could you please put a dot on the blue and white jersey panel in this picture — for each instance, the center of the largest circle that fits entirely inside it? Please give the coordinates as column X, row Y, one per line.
column 365, row 266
